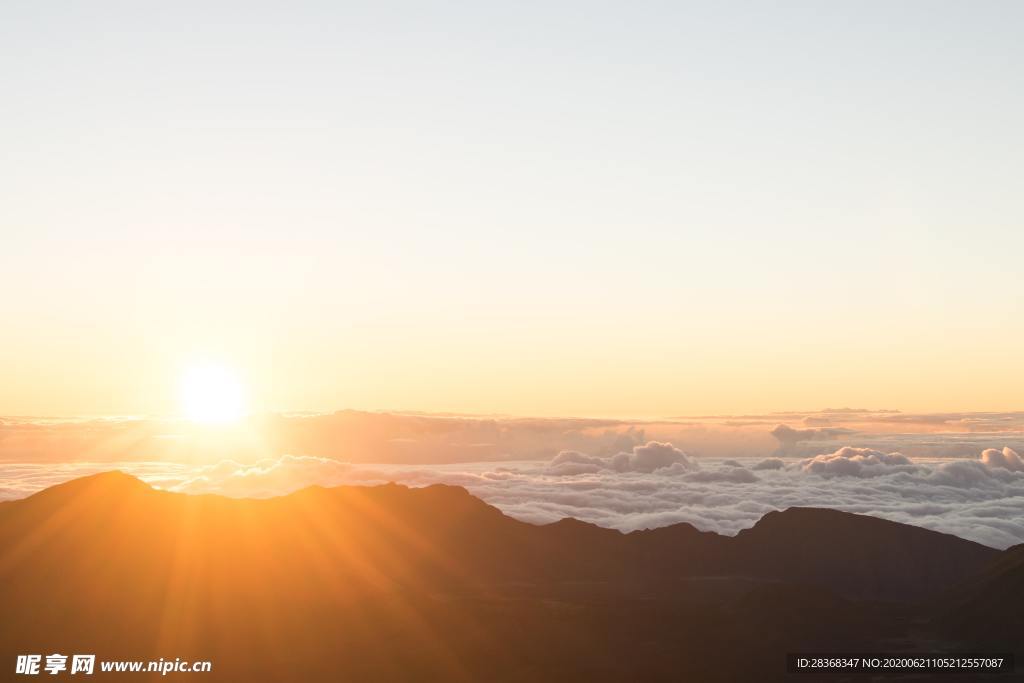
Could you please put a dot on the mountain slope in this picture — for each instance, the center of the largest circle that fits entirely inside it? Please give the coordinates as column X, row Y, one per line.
column 857, row 555
column 391, row 583
column 989, row 606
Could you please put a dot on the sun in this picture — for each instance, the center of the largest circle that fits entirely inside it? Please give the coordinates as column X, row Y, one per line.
column 212, row 394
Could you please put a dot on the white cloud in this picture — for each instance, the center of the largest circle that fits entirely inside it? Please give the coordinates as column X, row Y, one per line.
column 770, row 464
column 1006, row 458
column 855, row 462
column 650, row 457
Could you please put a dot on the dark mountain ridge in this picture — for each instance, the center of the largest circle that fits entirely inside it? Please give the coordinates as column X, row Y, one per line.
column 392, row 583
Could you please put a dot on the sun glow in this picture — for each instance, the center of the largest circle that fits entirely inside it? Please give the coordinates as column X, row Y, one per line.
column 212, row 394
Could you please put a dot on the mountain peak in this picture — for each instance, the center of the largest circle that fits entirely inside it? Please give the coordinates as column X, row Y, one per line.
column 116, row 478
column 572, row 523
column 811, row 519
column 112, row 482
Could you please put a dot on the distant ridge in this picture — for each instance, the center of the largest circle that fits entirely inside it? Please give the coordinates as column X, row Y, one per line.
column 853, row 554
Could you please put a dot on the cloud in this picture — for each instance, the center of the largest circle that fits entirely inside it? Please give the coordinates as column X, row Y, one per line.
column 1006, row 458
column 268, row 477
column 961, row 474
column 769, row 464
column 574, row 462
column 855, row 462
column 650, row 457
column 416, row 438
column 788, row 437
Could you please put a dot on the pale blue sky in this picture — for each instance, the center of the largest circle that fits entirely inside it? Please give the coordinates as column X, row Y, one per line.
column 716, row 205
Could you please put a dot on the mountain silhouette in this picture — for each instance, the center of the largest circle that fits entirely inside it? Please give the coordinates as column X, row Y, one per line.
column 395, row 583
column 990, row 604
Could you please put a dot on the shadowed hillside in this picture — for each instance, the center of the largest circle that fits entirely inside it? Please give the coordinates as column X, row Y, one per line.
column 391, row 583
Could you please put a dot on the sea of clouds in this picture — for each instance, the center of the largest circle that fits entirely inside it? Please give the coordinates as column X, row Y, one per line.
column 648, row 485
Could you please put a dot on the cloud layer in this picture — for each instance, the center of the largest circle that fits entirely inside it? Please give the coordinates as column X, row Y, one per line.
column 649, row 485
column 370, row 437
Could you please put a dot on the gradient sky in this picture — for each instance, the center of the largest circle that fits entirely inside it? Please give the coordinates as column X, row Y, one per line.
column 537, row 207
